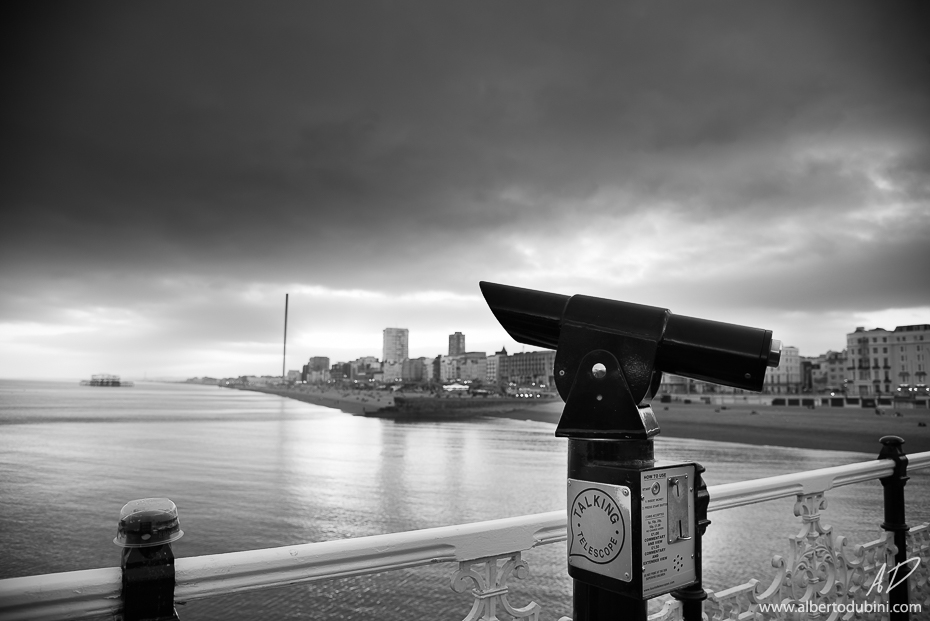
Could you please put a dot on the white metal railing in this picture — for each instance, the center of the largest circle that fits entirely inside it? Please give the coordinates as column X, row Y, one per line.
column 96, row 592
column 811, row 482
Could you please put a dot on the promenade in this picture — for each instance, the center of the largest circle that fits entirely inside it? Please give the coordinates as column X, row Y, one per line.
column 838, row 429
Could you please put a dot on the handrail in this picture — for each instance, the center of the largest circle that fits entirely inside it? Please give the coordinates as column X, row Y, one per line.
column 66, row 595
column 204, row 576
column 731, row 495
column 88, row 593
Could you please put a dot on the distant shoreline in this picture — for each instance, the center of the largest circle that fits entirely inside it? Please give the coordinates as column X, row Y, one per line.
column 825, row 428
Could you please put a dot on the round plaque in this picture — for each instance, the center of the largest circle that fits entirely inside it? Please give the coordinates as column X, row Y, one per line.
column 598, row 530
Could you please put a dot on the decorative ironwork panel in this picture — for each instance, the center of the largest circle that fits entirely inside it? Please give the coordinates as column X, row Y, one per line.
column 821, row 572
column 490, row 587
column 671, row 611
column 918, row 545
column 733, row 603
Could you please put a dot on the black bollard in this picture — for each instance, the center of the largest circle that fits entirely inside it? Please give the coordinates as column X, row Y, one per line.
column 146, row 530
column 894, row 522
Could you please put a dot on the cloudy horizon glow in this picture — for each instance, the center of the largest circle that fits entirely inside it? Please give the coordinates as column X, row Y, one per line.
column 171, row 171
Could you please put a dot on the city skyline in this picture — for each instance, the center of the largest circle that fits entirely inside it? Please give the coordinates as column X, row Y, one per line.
column 171, row 172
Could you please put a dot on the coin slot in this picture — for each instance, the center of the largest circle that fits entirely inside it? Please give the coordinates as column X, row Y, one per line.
column 679, row 501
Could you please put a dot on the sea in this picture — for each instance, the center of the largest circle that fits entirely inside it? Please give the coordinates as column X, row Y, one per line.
column 249, row 470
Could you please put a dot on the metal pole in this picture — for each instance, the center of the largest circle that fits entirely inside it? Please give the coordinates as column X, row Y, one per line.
column 587, row 459
column 893, row 485
column 591, row 603
column 284, row 357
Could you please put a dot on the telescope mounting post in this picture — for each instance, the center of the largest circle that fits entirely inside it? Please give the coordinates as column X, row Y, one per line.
column 606, row 373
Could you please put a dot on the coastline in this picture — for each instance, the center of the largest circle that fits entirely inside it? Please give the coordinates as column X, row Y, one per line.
column 824, row 428
column 362, row 404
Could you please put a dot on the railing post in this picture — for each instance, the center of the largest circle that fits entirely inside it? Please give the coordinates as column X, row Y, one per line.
column 898, row 597
column 692, row 597
column 147, row 527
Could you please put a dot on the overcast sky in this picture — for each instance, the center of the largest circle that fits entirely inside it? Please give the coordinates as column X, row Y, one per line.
column 171, row 170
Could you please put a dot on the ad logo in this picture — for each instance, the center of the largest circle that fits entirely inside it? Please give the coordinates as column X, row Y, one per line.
column 598, row 530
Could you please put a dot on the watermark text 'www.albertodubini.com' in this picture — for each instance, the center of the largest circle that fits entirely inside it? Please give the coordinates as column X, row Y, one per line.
column 839, row 607
column 910, row 564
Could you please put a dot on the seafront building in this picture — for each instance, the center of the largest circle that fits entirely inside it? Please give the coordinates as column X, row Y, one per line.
column 469, row 366
column 881, row 361
column 493, row 368
column 812, row 374
column 824, row 373
column 364, row 369
column 785, row 379
column 876, row 362
column 836, row 371
column 392, row 370
column 417, row 370
column 532, row 367
column 316, row 370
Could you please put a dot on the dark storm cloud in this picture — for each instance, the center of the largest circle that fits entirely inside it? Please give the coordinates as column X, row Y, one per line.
column 153, row 154
column 157, row 135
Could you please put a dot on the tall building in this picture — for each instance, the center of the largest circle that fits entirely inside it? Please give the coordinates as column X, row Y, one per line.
column 878, row 360
column 456, row 344
column 395, row 345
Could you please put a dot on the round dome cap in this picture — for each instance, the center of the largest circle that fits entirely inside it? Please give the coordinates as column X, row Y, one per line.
column 148, row 522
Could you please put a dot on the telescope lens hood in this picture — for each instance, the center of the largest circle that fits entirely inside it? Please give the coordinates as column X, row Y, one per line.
column 529, row 316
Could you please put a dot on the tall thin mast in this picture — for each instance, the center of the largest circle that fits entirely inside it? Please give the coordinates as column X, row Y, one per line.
column 284, row 358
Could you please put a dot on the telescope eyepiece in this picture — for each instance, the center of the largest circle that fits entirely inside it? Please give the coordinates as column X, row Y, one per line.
column 775, row 353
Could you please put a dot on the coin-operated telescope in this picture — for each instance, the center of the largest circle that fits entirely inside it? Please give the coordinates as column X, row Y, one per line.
column 633, row 533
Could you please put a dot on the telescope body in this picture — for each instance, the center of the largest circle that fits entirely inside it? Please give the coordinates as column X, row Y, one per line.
column 710, row 351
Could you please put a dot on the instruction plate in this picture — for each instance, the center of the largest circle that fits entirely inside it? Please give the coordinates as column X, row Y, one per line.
column 667, row 529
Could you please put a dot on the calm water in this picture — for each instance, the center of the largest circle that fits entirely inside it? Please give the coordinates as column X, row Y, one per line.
column 249, row 470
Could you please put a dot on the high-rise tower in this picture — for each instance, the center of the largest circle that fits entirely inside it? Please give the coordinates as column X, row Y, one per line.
column 395, row 345
column 456, row 344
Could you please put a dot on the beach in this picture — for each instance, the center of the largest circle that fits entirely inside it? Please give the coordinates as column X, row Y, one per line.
column 828, row 428
column 838, row 429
